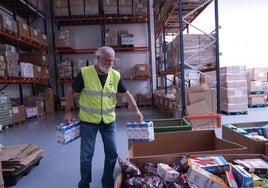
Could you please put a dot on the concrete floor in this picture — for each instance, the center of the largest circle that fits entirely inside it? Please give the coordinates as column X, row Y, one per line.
column 59, row 167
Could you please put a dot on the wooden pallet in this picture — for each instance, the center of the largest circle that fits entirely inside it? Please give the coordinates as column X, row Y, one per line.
column 11, row 180
column 257, row 105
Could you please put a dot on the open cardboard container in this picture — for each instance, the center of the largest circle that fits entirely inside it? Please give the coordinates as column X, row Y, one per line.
column 170, row 124
column 169, row 159
column 184, row 142
column 252, row 145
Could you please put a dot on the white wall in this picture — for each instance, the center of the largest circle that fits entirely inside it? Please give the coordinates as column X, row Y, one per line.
column 243, row 37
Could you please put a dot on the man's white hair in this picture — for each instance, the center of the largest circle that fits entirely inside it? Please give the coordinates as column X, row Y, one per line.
column 104, row 50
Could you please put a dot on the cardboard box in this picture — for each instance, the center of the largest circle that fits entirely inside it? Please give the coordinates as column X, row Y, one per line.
column 23, row 30
column 18, row 114
column 252, row 145
column 170, row 124
column 91, row 7
column 170, row 159
column 142, row 70
column 185, row 142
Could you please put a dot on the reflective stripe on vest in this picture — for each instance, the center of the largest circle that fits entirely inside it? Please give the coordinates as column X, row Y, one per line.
column 99, row 93
column 97, row 111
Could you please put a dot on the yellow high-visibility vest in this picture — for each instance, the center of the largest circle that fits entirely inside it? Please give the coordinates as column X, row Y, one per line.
column 96, row 102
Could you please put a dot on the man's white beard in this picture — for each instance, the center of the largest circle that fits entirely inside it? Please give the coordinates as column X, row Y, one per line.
column 104, row 69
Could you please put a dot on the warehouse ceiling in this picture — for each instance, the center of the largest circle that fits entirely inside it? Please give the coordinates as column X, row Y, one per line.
column 170, row 20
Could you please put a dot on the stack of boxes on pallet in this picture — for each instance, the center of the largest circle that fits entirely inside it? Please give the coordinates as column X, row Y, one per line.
column 256, row 91
column 10, row 56
column 197, row 52
column 9, row 61
column 34, row 106
column 201, row 100
column 5, row 110
column 234, row 99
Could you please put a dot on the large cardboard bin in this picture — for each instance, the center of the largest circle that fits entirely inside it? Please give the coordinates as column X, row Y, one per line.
column 171, row 124
column 252, row 145
column 169, row 159
column 184, row 142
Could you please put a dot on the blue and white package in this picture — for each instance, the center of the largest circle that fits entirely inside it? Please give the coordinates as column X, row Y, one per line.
column 67, row 133
column 140, row 132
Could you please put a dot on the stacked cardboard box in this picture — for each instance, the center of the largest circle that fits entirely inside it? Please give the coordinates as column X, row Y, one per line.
column 142, row 70
column 2, row 66
column 26, row 70
column 49, row 101
column 78, row 65
column 111, row 37
column 18, row 114
column 139, row 7
column 201, row 100
column 234, row 89
column 91, row 7
column 195, row 53
column 65, row 69
column 60, row 8
column 256, row 92
column 64, row 38
column 8, row 24
column 23, row 30
column 76, row 7
column 110, row 7
column 11, row 58
column 125, row 7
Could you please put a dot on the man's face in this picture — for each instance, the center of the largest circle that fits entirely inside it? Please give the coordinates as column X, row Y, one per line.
column 105, row 63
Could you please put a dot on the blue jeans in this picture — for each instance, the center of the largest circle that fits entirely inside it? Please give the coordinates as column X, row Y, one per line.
column 88, row 137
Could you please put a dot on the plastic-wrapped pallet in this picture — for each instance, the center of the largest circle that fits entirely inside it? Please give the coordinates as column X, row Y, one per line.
column 140, row 132
column 5, row 110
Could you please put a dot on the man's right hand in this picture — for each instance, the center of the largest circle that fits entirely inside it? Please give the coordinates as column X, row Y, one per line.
column 69, row 117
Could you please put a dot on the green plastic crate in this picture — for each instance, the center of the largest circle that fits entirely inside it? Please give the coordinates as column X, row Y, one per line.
column 170, row 125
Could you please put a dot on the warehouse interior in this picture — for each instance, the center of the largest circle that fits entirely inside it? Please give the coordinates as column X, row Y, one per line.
column 198, row 63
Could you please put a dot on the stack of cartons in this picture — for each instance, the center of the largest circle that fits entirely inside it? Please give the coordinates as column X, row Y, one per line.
column 11, row 58
column 18, row 114
column 65, row 69
column 78, row 65
column 5, row 110
column 256, row 94
column 2, row 66
column 110, row 7
column 27, row 70
column 76, row 6
column 91, row 7
column 64, row 38
column 23, row 30
column 34, row 35
column 8, row 24
column 49, row 101
column 125, row 7
column 39, row 61
column 142, row 70
column 111, row 37
column 139, row 7
column 60, row 8
column 201, row 101
column 234, row 99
